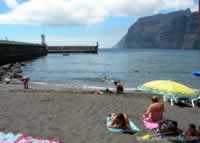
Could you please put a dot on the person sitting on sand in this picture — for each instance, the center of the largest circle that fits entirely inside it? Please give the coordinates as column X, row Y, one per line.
column 198, row 133
column 155, row 110
column 191, row 134
column 119, row 87
column 119, row 120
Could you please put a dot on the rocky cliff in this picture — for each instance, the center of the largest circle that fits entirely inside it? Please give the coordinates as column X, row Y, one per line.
column 173, row 30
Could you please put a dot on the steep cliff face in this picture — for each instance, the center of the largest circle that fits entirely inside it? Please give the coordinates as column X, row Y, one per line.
column 174, row 30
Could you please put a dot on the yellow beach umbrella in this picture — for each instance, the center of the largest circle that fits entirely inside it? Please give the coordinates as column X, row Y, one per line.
column 168, row 88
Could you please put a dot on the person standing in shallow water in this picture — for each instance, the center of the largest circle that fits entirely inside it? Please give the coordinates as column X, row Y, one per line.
column 119, row 87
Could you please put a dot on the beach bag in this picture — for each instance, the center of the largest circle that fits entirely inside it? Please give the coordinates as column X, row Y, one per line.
column 167, row 127
column 198, row 102
column 181, row 138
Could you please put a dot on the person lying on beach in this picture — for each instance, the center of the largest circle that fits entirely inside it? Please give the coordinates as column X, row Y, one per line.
column 119, row 120
column 108, row 90
column 103, row 92
column 155, row 110
column 119, row 87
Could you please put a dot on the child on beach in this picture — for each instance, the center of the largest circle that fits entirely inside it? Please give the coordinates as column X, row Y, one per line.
column 155, row 110
column 25, row 81
column 119, row 120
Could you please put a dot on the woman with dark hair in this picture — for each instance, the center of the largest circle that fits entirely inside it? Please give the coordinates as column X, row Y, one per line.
column 119, row 87
column 119, row 120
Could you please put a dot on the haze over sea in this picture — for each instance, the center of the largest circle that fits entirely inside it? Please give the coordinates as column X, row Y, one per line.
column 132, row 66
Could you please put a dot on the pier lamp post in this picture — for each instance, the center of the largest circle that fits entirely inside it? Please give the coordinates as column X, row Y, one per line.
column 43, row 40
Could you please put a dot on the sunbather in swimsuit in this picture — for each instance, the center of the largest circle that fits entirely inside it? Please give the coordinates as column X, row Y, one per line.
column 119, row 121
column 155, row 110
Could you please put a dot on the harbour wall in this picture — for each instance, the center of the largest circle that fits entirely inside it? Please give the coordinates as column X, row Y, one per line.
column 73, row 49
column 11, row 52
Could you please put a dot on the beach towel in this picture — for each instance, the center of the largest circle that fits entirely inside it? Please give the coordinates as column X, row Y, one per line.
column 20, row 138
column 103, row 92
column 9, row 137
column 35, row 140
column 133, row 129
column 149, row 124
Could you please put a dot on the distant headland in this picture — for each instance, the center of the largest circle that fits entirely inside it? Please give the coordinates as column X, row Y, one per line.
column 175, row 30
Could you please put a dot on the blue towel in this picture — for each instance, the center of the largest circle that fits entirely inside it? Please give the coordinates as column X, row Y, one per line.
column 133, row 129
column 9, row 136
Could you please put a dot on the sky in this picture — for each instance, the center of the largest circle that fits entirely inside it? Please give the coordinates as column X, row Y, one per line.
column 78, row 22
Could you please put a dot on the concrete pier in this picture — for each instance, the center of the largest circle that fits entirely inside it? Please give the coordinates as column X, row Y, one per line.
column 12, row 51
column 74, row 49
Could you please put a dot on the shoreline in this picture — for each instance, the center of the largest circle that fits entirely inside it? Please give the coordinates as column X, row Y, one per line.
column 83, row 87
column 53, row 87
column 62, row 86
column 89, row 87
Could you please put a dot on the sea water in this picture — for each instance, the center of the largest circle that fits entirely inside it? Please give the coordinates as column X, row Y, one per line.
column 132, row 66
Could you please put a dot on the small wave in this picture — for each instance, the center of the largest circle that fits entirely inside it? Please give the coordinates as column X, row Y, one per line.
column 96, row 87
column 85, row 87
column 39, row 83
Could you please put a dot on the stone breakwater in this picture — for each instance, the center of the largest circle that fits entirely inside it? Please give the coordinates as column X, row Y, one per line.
column 11, row 72
column 12, row 52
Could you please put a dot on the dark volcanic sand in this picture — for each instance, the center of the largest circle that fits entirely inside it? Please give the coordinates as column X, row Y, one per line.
column 76, row 117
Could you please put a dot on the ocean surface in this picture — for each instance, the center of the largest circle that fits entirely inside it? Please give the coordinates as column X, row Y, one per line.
column 132, row 66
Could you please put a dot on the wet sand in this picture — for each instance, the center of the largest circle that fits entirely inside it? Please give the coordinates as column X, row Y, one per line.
column 77, row 116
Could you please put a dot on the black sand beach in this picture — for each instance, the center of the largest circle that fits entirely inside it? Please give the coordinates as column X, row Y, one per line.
column 75, row 116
